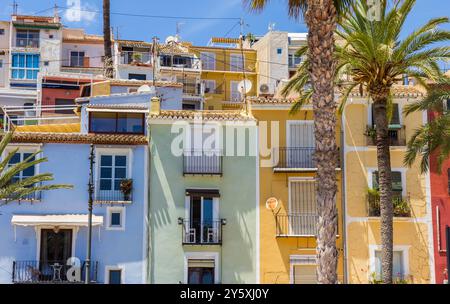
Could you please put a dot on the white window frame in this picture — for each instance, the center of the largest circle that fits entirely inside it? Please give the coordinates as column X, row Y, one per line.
column 233, row 92
column 25, row 68
column 210, row 62
column 400, row 113
column 202, row 256
column 99, row 151
column 291, row 265
column 370, row 172
column 237, row 66
column 213, row 86
column 123, row 215
column 405, row 258
column 24, row 149
column 108, row 268
column 76, row 51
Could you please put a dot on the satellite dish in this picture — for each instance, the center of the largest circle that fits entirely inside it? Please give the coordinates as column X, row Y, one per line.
column 171, row 39
column 244, row 86
column 146, row 89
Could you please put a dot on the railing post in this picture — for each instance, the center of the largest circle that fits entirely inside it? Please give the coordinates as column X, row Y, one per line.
column 14, row 272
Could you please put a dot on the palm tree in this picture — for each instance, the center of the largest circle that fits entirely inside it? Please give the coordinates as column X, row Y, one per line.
column 371, row 56
column 321, row 19
column 433, row 137
column 108, row 64
column 13, row 190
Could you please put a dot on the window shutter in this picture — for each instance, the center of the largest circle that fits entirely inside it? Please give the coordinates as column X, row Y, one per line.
column 395, row 119
column 396, row 181
column 201, row 263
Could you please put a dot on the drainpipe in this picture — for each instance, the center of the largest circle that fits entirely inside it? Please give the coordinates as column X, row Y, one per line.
column 148, row 250
column 343, row 202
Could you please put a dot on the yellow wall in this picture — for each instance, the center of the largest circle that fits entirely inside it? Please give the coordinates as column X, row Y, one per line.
column 223, row 76
column 410, row 234
column 276, row 252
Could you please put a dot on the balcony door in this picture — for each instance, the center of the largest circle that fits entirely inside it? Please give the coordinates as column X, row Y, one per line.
column 302, row 208
column 301, row 143
column 201, row 218
column 113, row 170
column 55, row 249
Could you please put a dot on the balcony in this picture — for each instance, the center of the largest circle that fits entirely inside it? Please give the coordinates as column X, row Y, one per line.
column 191, row 88
column 207, row 232
column 294, row 158
column 27, row 43
column 49, row 272
column 31, row 197
column 135, row 58
column 111, row 196
column 397, row 136
column 200, row 162
column 401, row 205
column 296, row 225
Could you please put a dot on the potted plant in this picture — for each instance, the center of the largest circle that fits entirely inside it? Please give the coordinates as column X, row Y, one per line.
column 126, row 186
column 373, row 196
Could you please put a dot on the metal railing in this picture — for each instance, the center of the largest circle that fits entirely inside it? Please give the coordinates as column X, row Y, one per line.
column 296, row 224
column 207, row 232
column 191, row 88
column 401, row 205
column 130, row 57
column 397, row 136
column 49, row 272
column 27, row 42
column 31, row 197
column 177, row 63
column 290, row 158
column 111, row 196
column 202, row 162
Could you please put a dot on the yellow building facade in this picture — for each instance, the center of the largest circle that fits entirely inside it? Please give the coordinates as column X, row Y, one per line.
column 288, row 227
column 224, row 66
column 413, row 251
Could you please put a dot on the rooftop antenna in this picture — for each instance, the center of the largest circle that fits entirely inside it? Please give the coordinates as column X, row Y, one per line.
column 15, row 7
column 178, row 29
column 55, row 13
column 272, row 26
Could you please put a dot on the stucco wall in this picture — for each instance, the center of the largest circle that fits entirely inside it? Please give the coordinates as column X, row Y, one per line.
column 237, row 204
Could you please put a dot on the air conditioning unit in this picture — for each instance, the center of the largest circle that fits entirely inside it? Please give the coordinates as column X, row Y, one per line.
column 264, row 88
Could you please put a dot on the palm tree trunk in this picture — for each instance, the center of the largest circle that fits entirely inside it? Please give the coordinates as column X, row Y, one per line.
column 108, row 63
column 385, row 185
column 321, row 20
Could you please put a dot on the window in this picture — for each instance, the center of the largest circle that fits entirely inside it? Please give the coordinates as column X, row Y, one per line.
column 208, row 60
column 279, row 51
column 114, row 275
column 59, row 102
column 201, row 271
column 28, row 172
column 447, row 105
column 25, row 66
column 137, row 76
column 113, row 170
column 294, row 60
column 1, row 63
column 397, row 187
column 126, row 123
column 188, row 106
column 234, row 90
column 398, row 271
column 210, row 86
column 115, row 218
column 181, row 61
column 76, row 59
column 2, row 31
column 395, row 119
column 27, row 38
column 46, row 63
column 236, row 62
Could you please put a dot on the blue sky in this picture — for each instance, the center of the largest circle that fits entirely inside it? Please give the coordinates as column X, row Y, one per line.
column 197, row 31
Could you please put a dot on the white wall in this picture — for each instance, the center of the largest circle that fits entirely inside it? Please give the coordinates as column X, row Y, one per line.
column 93, row 51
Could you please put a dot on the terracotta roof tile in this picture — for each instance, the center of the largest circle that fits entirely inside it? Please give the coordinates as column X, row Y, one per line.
column 77, row 138
column 204, row 115
column 123, row 106
column 271, row 100
column 398, row 91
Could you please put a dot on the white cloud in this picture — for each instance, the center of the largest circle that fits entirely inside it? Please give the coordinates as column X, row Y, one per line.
column 80, row 12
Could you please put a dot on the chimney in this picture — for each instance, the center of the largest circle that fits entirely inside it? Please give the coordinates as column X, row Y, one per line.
column 155, row 106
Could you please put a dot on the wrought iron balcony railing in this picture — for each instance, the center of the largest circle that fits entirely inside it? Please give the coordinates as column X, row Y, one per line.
column 401, row 205
column 294, row 158
column 296, row 224
column 397, row 136
column 202, row 162
column 206, row 232
column 49, row 272
column 132, row 57
column 108, row 196
column 31, row 197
